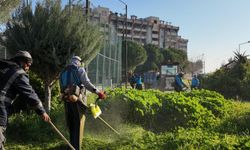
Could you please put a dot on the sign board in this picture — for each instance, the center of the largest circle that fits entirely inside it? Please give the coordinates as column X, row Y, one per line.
column 169, row 70
column 168, row 73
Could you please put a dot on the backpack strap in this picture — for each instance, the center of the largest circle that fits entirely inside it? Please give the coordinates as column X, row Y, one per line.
column 11, row 80
column 68, row 76
column 73, row 72
column 9, row 83
column 76, row 77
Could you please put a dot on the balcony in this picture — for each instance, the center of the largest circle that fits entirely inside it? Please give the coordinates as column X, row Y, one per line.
column 156, row 36
column 155, row 42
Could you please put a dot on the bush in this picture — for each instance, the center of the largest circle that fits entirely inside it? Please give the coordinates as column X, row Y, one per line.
column 159, row 111
column 193, row 123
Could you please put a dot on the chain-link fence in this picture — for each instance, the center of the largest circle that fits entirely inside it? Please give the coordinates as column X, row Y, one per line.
column 105, row 69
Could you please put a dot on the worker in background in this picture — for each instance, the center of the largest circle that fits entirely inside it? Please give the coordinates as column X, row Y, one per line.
column 179, row 84
column 195, row 82
column 132, row 80
column 138, row 80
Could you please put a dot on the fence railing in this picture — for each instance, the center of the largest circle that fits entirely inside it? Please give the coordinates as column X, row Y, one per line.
column 106, row 68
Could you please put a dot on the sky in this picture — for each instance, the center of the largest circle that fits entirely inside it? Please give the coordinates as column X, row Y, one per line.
column 214, row 28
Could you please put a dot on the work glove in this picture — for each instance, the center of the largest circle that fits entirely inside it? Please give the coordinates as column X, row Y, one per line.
column 101, row 95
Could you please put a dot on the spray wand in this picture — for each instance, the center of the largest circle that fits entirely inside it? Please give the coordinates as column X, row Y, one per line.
column 96, row 112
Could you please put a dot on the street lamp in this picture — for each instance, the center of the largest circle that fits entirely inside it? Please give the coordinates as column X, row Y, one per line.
column 242, row 44
column 126, row 47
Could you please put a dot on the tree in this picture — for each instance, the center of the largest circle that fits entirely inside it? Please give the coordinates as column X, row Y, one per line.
column 231, row 80
column 194, row 67
column 53, row 35
column 154, row 59
column 6, row 6
column 137, row 55
column 174, row 55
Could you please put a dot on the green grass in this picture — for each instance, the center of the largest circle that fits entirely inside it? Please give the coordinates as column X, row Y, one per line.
column 231, row 132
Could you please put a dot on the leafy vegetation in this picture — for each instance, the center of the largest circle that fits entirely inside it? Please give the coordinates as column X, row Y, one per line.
column 6, row 6
column 232, row 80
column 147, row 119
column 174, row 55
column 136, row 55
column 52, row 35
column 161, row 111
column 154, row 58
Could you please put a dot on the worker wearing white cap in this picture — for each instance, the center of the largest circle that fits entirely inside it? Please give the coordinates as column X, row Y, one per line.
column 72, row 81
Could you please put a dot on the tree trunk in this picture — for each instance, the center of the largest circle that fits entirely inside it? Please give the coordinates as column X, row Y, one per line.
column 47, row 104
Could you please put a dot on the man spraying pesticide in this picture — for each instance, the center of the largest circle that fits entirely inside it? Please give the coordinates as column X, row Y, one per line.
column 96, row 112
column 73, row 80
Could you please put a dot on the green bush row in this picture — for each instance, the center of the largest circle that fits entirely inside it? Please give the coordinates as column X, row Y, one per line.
column 161, row 111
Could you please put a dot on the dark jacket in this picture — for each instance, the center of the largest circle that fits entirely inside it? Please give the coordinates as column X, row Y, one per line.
column 15, row 82
column 179, row 84
column 195, row 82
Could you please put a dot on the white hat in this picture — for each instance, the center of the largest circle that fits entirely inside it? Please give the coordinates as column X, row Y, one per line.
column 76, row 60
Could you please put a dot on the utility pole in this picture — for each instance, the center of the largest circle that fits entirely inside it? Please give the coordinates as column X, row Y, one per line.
column 125, row 40
column 70, row 6
column 126, row 44
column 87, row 10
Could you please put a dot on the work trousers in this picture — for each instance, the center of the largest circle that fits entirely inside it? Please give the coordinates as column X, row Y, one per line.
column 75, row 117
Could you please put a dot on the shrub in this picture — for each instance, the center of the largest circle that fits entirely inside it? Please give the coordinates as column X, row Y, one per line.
column 159, row 111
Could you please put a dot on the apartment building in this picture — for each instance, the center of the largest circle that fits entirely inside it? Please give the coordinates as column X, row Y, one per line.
column 150, row 30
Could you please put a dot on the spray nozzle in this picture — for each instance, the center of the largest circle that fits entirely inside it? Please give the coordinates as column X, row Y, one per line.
column 95, row 110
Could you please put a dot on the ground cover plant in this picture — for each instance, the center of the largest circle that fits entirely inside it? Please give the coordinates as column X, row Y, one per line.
column 148, row 119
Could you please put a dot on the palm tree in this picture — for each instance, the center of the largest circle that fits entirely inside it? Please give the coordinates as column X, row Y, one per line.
column 240, row 57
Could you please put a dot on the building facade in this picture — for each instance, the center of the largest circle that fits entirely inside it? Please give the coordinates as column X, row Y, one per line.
column 150, row 30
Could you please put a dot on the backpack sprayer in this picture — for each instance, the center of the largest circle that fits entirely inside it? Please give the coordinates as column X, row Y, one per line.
column 96, row 112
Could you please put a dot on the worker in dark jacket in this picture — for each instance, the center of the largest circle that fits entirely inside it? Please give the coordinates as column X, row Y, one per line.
column 132, row 80
column 15, row 82
column 138, row 79
column 195, row 82
column 73, row 80
column 179, row 84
